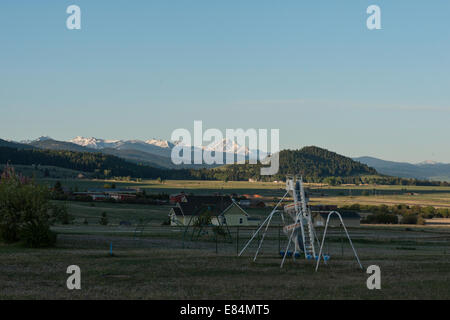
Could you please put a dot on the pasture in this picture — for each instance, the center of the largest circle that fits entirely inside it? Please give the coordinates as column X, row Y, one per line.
column 414, row 264
column 154, row 261
column 438, row 197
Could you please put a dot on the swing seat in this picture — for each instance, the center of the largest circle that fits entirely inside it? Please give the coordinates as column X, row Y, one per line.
column 326, row 257
column 289, row 253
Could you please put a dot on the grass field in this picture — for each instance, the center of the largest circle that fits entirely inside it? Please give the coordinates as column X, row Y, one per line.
column 340, row 195
column 438, row 200
column 153, row 261
column 414, row 265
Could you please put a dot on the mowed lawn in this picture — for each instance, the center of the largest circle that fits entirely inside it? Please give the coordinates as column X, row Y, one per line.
column 414, row 265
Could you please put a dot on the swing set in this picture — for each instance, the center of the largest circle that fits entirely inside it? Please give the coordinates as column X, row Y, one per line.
column 300, row 231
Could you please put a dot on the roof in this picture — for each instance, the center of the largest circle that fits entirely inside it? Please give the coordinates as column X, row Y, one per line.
column 111, row 190
column 196, row 204
column 323, row 207
column 344, row 215
column 177, row 210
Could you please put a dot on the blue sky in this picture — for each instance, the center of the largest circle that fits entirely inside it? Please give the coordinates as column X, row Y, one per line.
column 140, row 69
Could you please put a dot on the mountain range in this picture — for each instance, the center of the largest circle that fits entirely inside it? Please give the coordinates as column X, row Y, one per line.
column 427, row 170
column 156, row 153
column 153, row 152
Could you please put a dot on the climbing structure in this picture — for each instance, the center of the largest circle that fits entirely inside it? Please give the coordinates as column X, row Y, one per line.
column 300, row 230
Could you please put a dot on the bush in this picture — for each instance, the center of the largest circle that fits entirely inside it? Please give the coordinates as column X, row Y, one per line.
column 381, row 218
column 37, row 234
column 104, row 219
column 421, row 221
column 60, row 214
column 24, row 210
column 410, row 219
column 219, row 231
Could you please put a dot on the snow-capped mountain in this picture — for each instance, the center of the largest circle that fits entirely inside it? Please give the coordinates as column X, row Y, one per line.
column 160, row 143
column 152, row 151
column 428, row 162
column 159, row 146
column 227, row 146
column 230, row 146
column 40, row 139
column 153, row 146
column 94, row 143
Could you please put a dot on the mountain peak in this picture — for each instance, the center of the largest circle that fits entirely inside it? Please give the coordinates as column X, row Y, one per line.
column 159, row 143
column 40, row 139
column 428, row 162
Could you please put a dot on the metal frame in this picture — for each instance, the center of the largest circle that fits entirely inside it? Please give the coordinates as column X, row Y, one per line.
column 304, row 218
column 268, row 219
column 346, row 232
column 301, row 212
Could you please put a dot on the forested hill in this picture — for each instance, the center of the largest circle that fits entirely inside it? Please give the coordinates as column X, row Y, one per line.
column 317, row 162
column 313, row 163
column 101, row 165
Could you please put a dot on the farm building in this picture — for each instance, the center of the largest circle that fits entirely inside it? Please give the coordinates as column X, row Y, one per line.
column 351, row 219
column 252, row 203
column 323, row 208
column 105, row 194
column 179, row 197
column 221, row 210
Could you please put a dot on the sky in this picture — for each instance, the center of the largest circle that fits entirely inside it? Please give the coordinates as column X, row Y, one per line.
column 141, row 69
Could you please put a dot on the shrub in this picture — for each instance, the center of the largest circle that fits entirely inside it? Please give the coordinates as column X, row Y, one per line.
column 103, row 219
column 219, row 231
column 60, row 214
column 24, row 210
column 410, row 219
column 381, row 218
column 421, row 221
column 37, row 234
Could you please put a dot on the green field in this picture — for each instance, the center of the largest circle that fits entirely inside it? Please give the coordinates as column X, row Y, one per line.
column 398, row 194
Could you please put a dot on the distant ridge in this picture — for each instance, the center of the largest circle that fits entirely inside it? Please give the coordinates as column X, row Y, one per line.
column 11, row 144
column 427, row 170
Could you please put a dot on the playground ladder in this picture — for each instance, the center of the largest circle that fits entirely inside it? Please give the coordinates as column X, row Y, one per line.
column 309, row 235
column 298, row 219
